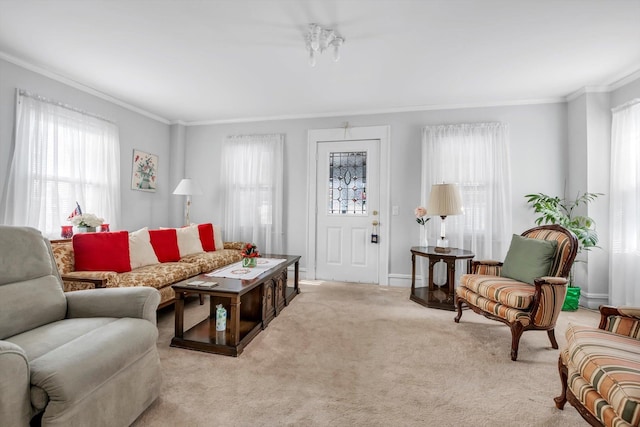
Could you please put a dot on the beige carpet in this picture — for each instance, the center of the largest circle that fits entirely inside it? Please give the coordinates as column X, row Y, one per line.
column 363, row 355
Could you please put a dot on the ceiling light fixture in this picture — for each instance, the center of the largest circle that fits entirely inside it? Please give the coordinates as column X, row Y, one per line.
column 318, row 39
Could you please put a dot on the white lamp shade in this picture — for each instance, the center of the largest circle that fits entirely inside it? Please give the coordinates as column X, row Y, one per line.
column 188, row 187
column 444, row 200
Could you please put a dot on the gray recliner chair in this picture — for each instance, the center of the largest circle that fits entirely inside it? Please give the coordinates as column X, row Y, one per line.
column 84, row 358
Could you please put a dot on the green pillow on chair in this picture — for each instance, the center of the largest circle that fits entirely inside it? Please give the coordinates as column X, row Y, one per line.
column 528, row 259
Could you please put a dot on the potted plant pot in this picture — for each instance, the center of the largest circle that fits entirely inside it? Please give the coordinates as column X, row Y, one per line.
column 572, row 299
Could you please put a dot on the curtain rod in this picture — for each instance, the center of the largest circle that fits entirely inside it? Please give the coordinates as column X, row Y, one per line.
column 22, row 92
column 625, row 105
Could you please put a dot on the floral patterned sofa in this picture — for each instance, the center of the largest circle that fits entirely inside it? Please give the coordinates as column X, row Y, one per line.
column 159, row 272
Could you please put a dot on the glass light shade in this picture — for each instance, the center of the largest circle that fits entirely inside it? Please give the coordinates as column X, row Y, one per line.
column 312, row 58
column 337, row 42
column 315, row 31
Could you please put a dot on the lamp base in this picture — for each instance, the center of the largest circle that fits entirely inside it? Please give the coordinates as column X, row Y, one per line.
column 442, row 250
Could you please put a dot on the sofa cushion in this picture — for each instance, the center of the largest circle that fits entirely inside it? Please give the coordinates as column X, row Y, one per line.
column 217, row 238
column 528, row 259
column 188, row 240
column 102, row 251
column 165, row 244
column 206, row 237
column 500, row 289
column 610, row 364
column 209, row 261
column 141, row 252
column 503, row 311
column 159, row 275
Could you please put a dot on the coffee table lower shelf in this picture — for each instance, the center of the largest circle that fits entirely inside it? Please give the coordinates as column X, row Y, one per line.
column 204, row 337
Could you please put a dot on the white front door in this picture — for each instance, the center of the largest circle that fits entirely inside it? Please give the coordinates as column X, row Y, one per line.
column 347, row 200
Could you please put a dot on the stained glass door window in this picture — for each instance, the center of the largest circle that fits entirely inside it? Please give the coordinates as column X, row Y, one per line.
column 348, row 183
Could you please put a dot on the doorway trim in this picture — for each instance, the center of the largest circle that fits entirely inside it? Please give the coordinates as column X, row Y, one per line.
column 316, row 136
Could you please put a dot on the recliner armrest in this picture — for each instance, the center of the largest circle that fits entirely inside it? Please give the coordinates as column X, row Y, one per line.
column 15, row 385
column 138, row 302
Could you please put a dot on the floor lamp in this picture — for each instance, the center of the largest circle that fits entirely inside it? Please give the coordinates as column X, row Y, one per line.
column 444, row 200
column 187, row 187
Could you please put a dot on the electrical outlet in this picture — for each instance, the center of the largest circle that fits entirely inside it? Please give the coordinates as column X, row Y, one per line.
column 394, row 210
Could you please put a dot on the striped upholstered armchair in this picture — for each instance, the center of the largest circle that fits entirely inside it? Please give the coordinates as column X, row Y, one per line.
column 600, row 368
column 527, row 290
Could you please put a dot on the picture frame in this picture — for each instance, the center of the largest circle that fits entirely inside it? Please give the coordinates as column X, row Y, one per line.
column 144, row 171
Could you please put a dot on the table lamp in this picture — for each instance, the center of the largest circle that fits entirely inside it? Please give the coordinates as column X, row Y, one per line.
column 444, row 200
column 187, row 187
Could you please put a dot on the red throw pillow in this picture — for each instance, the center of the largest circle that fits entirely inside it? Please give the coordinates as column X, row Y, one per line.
column 165, row 244
column 206, row 237
column 107, row 251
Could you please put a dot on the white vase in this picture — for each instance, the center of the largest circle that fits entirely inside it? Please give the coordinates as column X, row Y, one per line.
column 86, row 229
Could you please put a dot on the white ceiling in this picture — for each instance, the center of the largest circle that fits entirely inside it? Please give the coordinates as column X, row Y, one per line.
column 225, row 60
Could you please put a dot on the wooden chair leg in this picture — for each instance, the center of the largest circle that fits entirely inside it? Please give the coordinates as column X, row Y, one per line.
column 562, row 399
column 459, row 302
column 202, row 300
column 516, row 333
column 552, row 337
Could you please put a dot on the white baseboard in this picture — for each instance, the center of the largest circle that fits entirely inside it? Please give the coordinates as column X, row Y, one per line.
column 402, row 280
column 593, row 300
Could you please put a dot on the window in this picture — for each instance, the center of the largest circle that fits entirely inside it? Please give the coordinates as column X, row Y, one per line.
column 624, row 267
column 62, row 156
column 476, row 157
column 347, row 183
column 252, row 176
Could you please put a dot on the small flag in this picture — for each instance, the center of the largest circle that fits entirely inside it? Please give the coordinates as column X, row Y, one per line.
column 76, row 211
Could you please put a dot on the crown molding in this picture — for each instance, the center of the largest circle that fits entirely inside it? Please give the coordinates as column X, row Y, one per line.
column 77, row 85
column 615, row 83
column 585, row 90
column 624, row 80
column 379, row 111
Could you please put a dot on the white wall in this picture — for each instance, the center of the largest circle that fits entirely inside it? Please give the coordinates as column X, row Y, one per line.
column 136, row 131
column 538, row 140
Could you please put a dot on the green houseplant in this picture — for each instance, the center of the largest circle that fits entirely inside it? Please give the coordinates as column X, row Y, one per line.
column 554, row 210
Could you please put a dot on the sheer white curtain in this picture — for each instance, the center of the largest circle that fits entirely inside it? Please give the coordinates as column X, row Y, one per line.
column 61, row 155
column 624, row 265
column 253, row 180
column 476, row 157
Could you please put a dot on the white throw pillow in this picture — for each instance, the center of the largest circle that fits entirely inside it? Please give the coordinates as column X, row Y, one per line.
column 141, row 252
column 189, row 240
column 217, row 237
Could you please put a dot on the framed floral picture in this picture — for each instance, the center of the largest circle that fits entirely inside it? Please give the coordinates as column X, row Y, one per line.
column 145, row 170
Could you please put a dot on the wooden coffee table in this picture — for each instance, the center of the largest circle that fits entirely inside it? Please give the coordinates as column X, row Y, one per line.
column 250, row 304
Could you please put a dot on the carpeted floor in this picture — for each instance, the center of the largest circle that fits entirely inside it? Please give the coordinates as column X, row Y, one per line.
column 364, row 355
